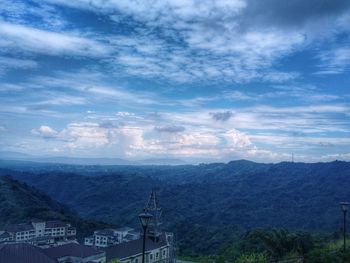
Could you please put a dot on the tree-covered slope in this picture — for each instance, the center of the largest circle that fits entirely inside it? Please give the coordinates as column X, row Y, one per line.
column 20, row 202
column 242, row 193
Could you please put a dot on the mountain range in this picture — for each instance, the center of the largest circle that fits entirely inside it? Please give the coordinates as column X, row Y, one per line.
column 8, row 155
column 244, row 193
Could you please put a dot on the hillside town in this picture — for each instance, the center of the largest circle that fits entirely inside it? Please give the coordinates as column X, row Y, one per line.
column 40, row 241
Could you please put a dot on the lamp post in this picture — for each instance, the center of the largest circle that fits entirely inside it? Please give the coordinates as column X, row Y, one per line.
column 344, row 206
column 145, row 218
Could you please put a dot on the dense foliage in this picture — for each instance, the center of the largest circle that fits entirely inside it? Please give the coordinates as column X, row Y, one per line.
column 209, row 205
column 20, row 202
column 266, row 246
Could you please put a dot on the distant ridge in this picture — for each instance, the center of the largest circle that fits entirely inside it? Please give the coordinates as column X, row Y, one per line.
column 16, row 156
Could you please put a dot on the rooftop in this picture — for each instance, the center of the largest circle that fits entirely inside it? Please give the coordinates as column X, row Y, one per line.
column 56, row 223
column 19, row 227
column 23, row 253
column 134, row 247
column 71, row 249
column 105, row 232
column 124, row 229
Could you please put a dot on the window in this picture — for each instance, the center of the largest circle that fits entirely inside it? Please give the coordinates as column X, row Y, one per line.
column 163, row 252
column 157, row 255
column 151, row 256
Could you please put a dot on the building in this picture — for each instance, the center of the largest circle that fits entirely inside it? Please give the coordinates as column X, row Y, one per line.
column 5, row 237
column 131, row 252
column 160, row 245
column 152, row 207
column 67, row 253
column 110, row 237
column 38, row 232
column 75, row 253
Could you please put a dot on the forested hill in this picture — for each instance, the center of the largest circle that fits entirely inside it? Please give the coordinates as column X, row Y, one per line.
column 242, row 193
column 20, row 202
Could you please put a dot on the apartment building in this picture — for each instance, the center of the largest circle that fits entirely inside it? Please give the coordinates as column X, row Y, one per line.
column 38, row 232
column 110, row 237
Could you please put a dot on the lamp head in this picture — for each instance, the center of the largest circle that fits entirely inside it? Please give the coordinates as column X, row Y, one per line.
column 145, row 218
column 344, row 206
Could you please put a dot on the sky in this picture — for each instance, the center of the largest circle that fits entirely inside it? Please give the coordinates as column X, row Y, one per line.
column 197, row 80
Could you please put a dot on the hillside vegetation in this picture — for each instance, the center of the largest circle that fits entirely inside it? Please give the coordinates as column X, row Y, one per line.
column 20, row 202
column 205, row 201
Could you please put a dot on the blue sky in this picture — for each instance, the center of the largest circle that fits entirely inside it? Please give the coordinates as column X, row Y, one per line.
column 194, row 80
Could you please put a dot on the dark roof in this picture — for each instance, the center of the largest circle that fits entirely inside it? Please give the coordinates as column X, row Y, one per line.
column 52, row 224
column 71, row 249
column 43, row 238
column 133, row 247
column 129, row 237
column 134, row 232
column 123, row 229
column 19, row 227
column 105, row 232
column 36, row 220
column 23, row 253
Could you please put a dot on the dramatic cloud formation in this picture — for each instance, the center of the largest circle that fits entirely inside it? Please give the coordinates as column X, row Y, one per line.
column 201, row 80
column 142, row 142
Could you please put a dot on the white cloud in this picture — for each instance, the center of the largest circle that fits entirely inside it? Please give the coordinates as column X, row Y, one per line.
column 45, row 132
column 9, row 62
column 15, row 36
column 61, row 99
column 237, row 139
column 18, row 12
column 94, row 86
column 196, row 40
column 337, row 156
column 334, row 61
column 85, row 135
column 124, row 114
column 137, row 141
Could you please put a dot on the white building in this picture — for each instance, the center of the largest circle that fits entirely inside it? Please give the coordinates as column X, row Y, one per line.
column 110, row 237
column 38, row 232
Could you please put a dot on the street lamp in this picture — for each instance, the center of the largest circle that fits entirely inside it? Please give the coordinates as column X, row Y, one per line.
column 344, row 206
column 145, row 218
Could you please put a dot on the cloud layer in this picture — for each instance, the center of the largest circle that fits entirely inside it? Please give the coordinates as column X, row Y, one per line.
column 212, row 79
